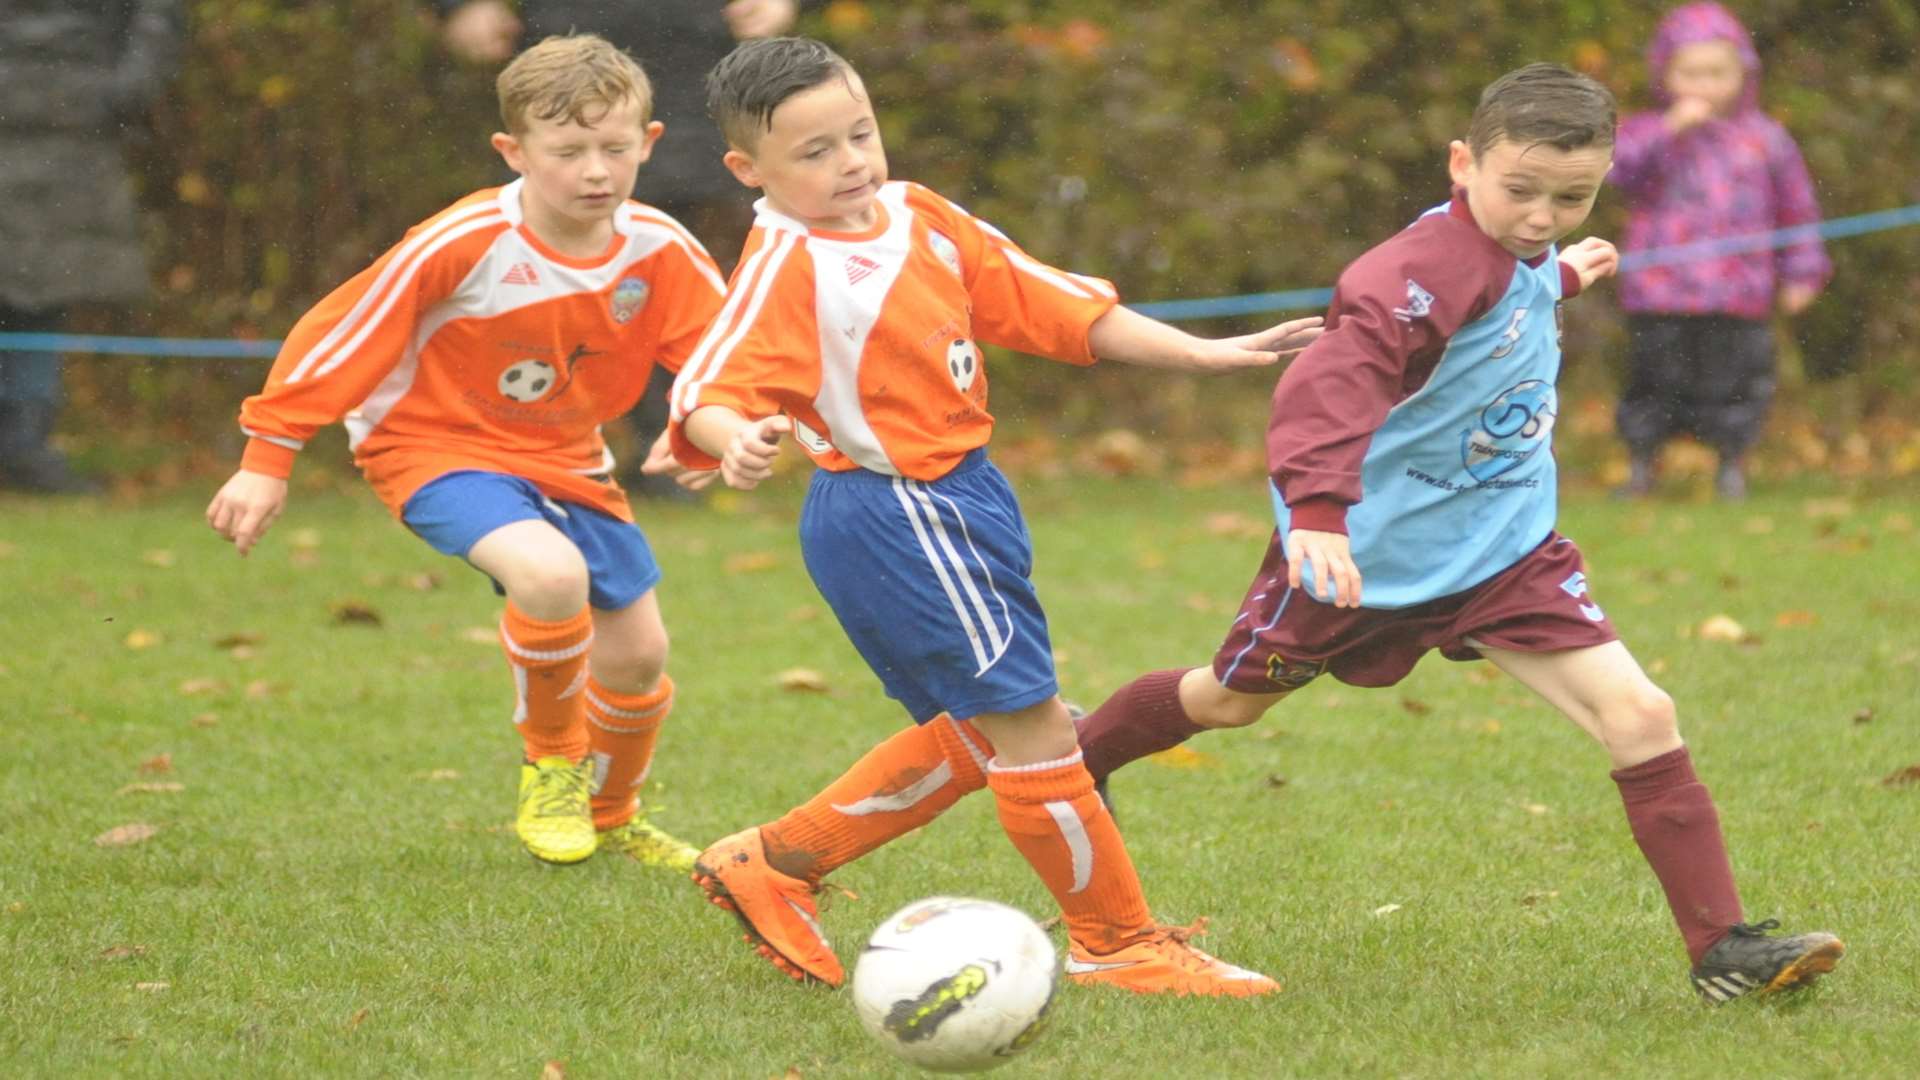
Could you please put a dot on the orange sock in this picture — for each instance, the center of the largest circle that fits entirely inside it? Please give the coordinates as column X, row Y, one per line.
column 549, row 663
column 622, row 729
column 1052, row 815
column 900, row 785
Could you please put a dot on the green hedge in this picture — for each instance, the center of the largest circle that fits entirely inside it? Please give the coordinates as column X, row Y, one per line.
column 1184, row 148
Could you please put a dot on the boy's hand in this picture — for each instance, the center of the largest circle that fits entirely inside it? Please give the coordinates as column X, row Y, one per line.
column 1687, row 112
column 245, row 506
column 1255, row 350
column 1795, row 299
column 750, row 452
column 1331, row 556
column 661, row 462
column 1592, row 259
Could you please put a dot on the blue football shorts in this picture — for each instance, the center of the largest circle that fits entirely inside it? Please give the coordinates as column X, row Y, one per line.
column 454, row 511
column 932, row 583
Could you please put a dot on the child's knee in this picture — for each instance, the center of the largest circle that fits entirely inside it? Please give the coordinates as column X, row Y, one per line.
column 558, row 584
column 1639, row 714
column 632, row 665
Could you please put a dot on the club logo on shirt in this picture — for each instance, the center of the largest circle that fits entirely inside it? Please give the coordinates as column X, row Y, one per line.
column 858, row 267
column 1512, row 428
column 1419, row 303
column 628, row 298
column 945, row 249
column 963, row 363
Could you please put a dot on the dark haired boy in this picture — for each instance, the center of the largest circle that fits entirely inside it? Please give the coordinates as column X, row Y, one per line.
column 851, row 325
column 1410, row 446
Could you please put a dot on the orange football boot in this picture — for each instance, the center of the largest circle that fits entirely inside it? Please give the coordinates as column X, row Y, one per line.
column 1166, row 963
column 777, row 911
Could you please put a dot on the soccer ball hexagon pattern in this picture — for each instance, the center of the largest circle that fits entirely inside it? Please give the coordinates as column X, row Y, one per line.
column 527, row 381
column 963, row 363
column 955, row 985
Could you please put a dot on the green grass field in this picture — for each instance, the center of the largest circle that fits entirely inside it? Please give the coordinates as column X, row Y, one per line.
column 334, row 890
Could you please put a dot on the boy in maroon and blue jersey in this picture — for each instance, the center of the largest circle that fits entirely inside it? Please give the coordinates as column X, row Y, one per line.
column 1411, row 448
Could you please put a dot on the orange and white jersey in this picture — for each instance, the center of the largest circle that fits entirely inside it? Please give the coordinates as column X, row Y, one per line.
column 867, row 340
column 473, row 345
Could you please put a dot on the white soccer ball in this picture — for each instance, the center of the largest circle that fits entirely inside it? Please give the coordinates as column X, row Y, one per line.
column 955, row 985
column 527, row 381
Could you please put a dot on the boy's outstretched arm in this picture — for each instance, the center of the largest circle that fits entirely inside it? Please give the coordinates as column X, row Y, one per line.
column 245, row 506
column 746, row 448
column 1132, row 338
column 1590, row 260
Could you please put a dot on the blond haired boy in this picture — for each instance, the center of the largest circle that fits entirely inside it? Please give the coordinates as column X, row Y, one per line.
column 473, row 364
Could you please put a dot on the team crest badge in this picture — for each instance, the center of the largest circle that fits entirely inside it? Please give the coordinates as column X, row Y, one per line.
column 945, row 249
column 628, row 298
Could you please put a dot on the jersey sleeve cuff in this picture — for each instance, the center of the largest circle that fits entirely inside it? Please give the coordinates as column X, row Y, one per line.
column 1569, row 282
column 269, row 458
column 685, row 452
column 1320, row 513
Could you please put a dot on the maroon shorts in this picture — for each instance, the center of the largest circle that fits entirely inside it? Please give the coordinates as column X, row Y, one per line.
column 1284, row 638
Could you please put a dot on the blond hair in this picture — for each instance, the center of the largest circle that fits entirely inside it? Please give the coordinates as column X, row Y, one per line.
column 578, row 77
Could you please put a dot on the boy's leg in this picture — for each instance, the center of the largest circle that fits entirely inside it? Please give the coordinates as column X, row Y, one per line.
column 628, row 697
column 1048, row 807
column 1602, row 689
column 1159, row 711
column 546, row 633
column 767, row 876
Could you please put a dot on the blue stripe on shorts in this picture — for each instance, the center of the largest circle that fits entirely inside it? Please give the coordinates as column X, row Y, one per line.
column 932, row 583
column 454, row 511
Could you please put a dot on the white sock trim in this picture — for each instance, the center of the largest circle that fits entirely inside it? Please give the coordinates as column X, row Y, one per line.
column 1074, row 758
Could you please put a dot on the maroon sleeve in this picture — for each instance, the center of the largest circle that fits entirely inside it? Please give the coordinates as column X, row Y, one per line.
column 1393, row 311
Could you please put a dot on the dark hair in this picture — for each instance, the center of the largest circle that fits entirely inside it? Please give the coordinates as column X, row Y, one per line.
column 746, row 86
column 1543, row 103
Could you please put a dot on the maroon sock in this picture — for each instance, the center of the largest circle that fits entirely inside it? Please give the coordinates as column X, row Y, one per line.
column 1674, row 823
column 1143, row 717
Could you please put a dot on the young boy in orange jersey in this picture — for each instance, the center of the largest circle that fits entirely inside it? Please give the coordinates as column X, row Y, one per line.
column 1411, row 451
column 474, row 363
column 851, row 325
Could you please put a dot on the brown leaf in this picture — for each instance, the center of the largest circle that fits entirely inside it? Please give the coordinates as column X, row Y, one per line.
column 159, row 763
column 1417, row 708
column 426, row 581
column 122, row 952
column 1182, row 757
column 1275, row 780
column 205, row 720
column 554, row 1070
column 202, row 684
column 143, row 639
column 240, row 639
column 261, row 689
column 360, row 1014
column 750, row 562
column 1903, row 777
column 353, row 613
column 159, row 557
column 1533, row 898
column 152, row 987
column 123, row 835
column 1795, row 617
column 1863, row 715
column 802, row 679
column 166, row 787
column 792, row 1073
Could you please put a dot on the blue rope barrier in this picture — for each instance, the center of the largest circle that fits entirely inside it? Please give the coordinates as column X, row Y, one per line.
column 1172, row 310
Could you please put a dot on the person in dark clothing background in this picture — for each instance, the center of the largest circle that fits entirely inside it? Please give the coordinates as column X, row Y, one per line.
column 75, row 81
column 677, row 42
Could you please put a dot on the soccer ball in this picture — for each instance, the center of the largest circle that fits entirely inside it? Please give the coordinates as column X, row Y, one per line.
column 955, row 985
column 527, row 380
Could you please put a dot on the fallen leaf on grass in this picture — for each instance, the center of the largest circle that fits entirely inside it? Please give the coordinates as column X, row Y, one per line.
column 1538, row 809
column 260, row 689
column 803, row 613
column 426, row 581
column 359, row 1015
column 792, row 1073
column 1795, row 617
column 1180, row 757
column 354, row 613
column 1903, row 777
column 205, row 720
column 123, row 835
column 750, row 562
column 1275, row 780
column 444, row 774
column 1385, row 909
column 1758, row 526
column 1723, row 628
column 1417, row 708
column 1491, row 727
column 122, row 952
column 152, row 987
column 1237, row 526
column 239, row 640
column 159, row 763
column 201, row 684
column 481, row 635
column 143, row 639
column 554, row 1070
column 802, row 679
column 1863, row 715
column 1533, row 898
column 166, row 787
column 159, row 557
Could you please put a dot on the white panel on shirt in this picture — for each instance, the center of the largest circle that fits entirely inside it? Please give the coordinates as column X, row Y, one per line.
column 851, row 282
